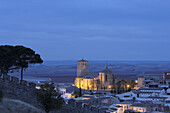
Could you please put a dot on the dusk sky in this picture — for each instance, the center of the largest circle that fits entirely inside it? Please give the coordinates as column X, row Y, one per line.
column 118, row 30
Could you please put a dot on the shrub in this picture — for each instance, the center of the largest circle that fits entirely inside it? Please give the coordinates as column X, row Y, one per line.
column 49, row 97
column 76, row 94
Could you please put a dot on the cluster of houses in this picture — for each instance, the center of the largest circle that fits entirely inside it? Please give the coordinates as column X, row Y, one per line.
column 152, row 92
column 150, row 95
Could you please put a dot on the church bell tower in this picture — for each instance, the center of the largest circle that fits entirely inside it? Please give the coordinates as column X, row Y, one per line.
column 82, row 68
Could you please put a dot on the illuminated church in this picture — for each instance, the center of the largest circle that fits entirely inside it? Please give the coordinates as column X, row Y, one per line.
column 103, row 80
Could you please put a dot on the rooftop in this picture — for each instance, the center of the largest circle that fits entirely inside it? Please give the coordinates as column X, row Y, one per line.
column 143, row 88
column 82, row 60
column 139, row 105
column 106, row 70
column 156, row 97
column 90, row 75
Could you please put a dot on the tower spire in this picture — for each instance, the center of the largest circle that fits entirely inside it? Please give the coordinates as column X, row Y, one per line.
column 106, row 66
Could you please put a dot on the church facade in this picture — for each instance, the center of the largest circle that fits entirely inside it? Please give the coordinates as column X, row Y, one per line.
column 103, row 80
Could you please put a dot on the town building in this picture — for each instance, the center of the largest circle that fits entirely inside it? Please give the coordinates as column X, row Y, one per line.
column 166, row 75
column 103, row 80
column 139, row 107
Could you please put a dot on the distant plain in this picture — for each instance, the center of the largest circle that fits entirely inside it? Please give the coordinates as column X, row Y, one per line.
column 65, row 71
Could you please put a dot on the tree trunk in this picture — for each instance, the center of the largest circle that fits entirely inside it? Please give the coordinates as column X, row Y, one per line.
column 46, row 110
column 80, row 93
column 1, row 72
column 22, row 69
column 115, row 89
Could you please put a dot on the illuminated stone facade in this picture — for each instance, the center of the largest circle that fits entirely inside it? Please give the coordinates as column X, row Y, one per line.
column 93, row 81
column 140, row 81
column 82, row 68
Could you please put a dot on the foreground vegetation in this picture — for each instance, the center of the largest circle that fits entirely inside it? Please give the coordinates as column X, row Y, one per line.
column 17, row 106
column 49, row 97
column 17, row 57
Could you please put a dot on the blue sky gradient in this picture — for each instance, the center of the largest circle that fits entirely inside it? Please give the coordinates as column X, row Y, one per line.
column 122, row 30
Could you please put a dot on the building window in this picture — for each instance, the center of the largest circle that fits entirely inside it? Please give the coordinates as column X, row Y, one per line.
column 105, row 77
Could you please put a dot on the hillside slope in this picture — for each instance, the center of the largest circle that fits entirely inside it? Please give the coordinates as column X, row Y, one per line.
column 17, row 106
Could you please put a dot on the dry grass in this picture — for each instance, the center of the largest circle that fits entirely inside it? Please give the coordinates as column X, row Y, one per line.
column 17, row 106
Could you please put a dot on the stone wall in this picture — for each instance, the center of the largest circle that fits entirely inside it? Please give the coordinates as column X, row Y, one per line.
column 13, row 88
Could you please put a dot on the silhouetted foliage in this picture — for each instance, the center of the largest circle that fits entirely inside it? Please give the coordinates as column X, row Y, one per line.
column 134, row 98
column 1, row 95
column 129, row 90
column 91, row 93
column 76, row 94
column 7, row 59
column 111, row 91
column 26, row 56
column 121, row 85
column 15, row 57
column 49, row 97
column 80, row 93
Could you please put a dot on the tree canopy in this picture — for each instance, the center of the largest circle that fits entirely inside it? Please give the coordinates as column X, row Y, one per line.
column 17, row 57
column 7, row 58
column 49, row 97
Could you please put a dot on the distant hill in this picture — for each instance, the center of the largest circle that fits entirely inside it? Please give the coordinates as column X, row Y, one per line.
column 69, row 68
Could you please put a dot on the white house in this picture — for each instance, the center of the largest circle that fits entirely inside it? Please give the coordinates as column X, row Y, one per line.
column 64, row 94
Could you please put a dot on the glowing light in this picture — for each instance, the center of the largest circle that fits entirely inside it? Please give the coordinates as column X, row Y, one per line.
column 128, row 86
column 90, row 86
column 37, row 87
column 110, row 86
